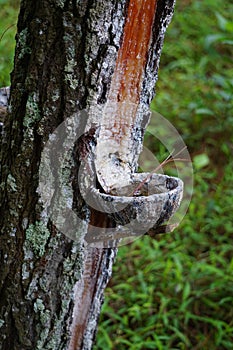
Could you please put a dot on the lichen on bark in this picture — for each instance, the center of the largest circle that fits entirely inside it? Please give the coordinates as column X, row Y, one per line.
column 37, row 236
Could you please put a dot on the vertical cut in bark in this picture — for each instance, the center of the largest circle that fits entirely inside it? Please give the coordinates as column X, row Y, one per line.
column 115, row 145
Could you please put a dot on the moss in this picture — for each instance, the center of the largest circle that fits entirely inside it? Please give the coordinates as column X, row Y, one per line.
column 70, row 76
column 36, row 238
column 32, row 111
column 43, row 312
column 22, row 42
column 60, row 3
column 45, row 317
column 11, row 184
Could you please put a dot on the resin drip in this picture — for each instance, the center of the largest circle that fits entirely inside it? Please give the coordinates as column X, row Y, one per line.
column 116, row 142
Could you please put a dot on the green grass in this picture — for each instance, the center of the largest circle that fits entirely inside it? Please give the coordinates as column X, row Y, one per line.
column 176, row 292
column 9, row 13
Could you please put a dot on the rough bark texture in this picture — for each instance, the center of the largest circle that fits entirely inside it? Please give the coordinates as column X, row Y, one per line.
column 51, row 287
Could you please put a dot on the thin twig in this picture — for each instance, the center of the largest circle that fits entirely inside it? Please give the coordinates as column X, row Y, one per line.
column 12, row 25
column 169, row 159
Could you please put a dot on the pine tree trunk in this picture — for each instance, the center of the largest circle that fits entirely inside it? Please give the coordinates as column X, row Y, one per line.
column 52, row 286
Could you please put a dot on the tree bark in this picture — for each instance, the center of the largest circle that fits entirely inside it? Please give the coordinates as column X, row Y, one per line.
column 52, row 286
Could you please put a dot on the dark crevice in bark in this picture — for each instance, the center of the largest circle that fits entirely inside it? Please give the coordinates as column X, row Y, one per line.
column 84, row 80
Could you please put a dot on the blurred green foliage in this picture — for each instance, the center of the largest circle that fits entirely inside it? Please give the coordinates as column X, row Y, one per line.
column 9, row 13
column 176, row 292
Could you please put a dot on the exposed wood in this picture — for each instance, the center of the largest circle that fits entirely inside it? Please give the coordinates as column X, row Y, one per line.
column 126, row 112
column 133, row 53
column 115, row 143
column 89, row 296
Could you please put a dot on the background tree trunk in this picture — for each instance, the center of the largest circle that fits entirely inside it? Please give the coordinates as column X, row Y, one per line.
column 51, row 287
